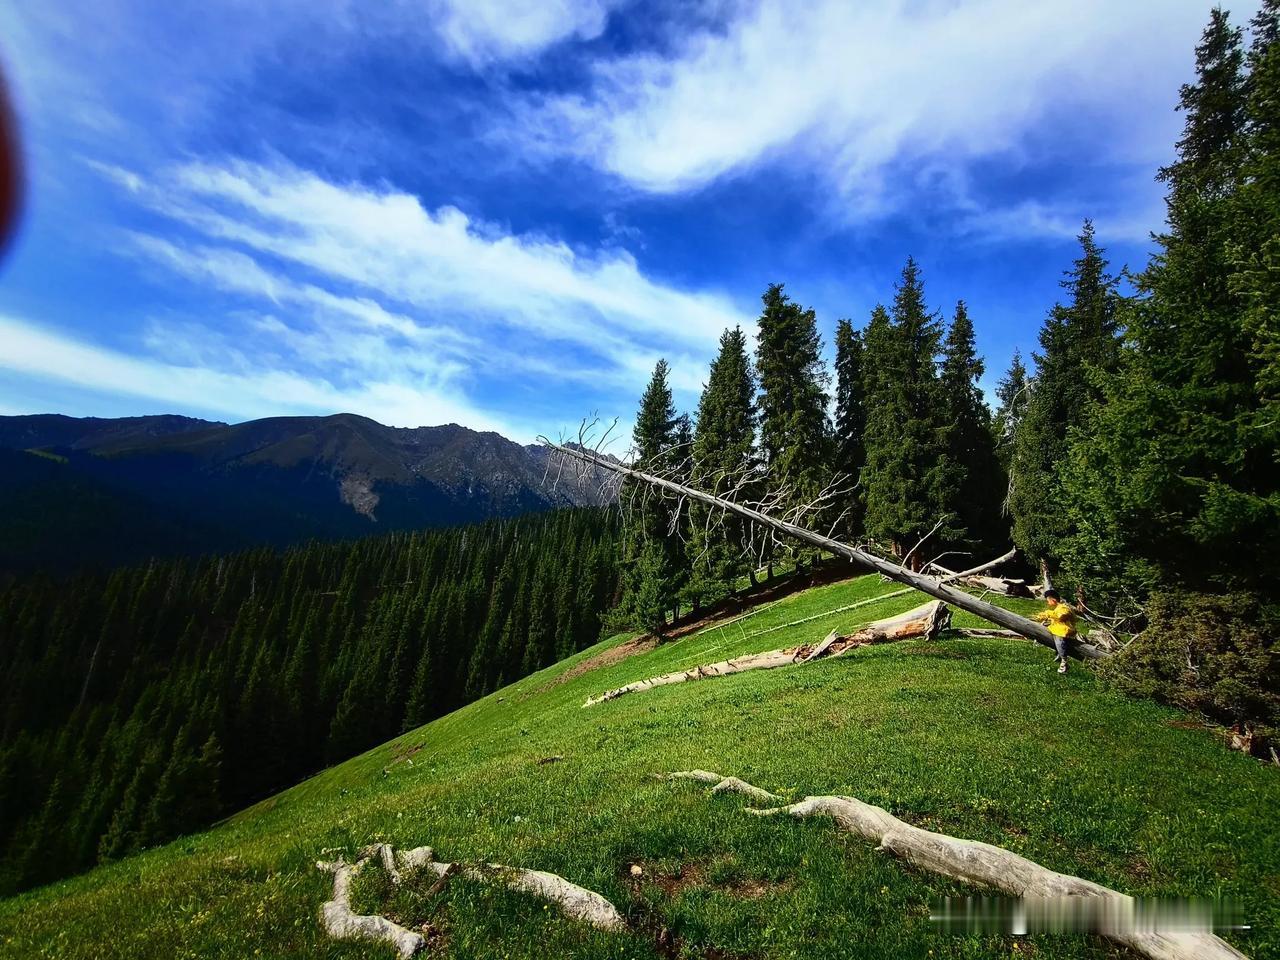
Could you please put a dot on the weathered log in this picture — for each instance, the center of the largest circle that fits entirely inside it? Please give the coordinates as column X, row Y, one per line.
column 985, row 864
column 926, row 620
column 734, row 785
column 974, row 577
column 1004, row 586
column 723, row 784
column 574, row 901
column 865, row 602
column 928, row 585
column 343, row 923
column 981, row 568
column 756, row 661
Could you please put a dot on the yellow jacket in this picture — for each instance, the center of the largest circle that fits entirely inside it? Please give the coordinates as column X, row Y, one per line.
column 1061, row 619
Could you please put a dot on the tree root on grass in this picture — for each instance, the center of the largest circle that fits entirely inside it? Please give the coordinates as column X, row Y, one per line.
column 926, row 621
column 722, row 784
column 985, row 864
column 343, row 923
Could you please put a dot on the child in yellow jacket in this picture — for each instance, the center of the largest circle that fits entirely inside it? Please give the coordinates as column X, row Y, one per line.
column 1061, row 618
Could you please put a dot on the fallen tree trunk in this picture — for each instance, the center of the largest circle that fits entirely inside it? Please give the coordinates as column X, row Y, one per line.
column 975, row 862
column 928, row 585
column 1001, row 585
column 924, row 621
column 973, row 577
column 972, row 571
column 343, row 923
column 575, row 902
column 724, row 784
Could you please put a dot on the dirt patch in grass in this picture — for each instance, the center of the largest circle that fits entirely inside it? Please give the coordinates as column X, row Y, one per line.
column 1139, row 868
column 605, row 658
column 406, row 751
column 710, row 874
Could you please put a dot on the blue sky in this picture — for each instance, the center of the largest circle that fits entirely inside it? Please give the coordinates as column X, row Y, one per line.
column 501, row 214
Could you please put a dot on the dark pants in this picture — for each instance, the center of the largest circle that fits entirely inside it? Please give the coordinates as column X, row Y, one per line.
column 1060, row 644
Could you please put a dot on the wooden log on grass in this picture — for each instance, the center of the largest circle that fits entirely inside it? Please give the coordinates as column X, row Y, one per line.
column 972, row 861
column 575, row 902
column 985, row 864
column 343, row 923
column 926, row 620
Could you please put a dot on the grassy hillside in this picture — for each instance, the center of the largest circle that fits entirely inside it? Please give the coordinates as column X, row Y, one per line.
column 977, row 738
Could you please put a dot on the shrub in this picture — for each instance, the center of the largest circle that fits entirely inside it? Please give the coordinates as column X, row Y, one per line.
column 1211, row 653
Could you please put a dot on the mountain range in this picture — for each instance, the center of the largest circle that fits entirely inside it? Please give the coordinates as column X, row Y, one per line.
column 83, row 492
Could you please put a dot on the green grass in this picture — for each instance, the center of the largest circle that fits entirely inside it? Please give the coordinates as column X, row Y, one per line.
column 976, row 738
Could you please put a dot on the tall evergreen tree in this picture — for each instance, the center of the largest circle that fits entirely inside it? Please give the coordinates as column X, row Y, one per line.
column 652, row 554
column 850, row 420
column 723, row 455
column 1180, row 481
column 909, row 478
column 978, row 492
column 1256, row 249
column 793, row 417
column 1013, row 391
column 1079, row 341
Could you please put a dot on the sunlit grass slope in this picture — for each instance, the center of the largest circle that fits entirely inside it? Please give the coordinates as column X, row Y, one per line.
column 977, row 738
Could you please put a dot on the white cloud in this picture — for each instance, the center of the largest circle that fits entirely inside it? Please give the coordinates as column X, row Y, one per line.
column 482, row 31
column 860, row 91
column 1030, row 218
column 243, row 393
column 443, row 261
column 470, row 289
column 312, row 296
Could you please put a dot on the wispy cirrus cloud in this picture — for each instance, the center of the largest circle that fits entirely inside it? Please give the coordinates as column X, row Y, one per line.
column 385, row 307
column 865, row 97
column 481, row 32
column 234, row 386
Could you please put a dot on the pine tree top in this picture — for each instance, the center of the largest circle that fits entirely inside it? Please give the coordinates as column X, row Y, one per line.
column 657, row 415
column 1213, row 104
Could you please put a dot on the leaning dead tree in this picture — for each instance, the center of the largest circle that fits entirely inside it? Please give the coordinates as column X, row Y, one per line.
column 790, row 528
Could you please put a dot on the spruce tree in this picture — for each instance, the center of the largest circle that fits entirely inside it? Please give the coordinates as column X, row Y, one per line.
column 979, row 490
column 1179, row 484
column 1013, row 391
column 850, row 421
column 1079, row 341
column 723, row 455
column 794, row 433
column 1256, row 250
column 909, row 479
column 652, row 554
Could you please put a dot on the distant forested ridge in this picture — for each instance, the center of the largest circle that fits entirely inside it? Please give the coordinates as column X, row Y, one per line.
column 147, row 702
column 92, row 492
